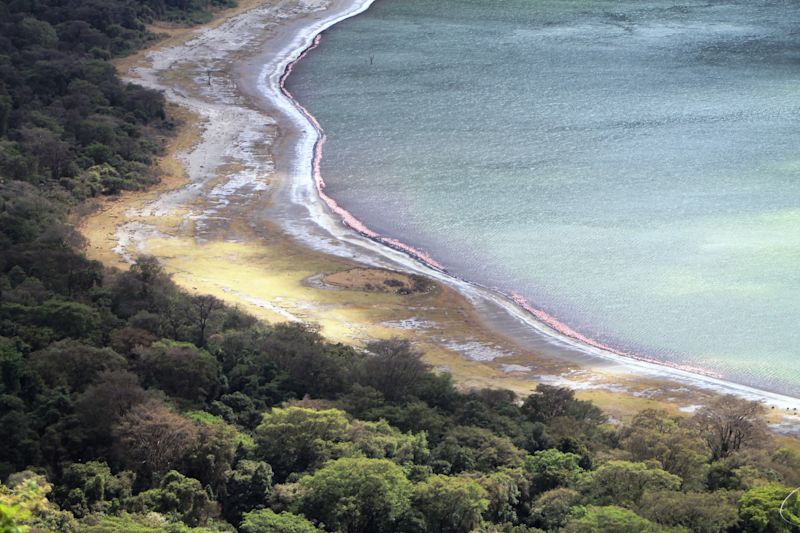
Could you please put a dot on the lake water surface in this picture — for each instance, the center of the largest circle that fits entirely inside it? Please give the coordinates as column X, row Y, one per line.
column 630, row 167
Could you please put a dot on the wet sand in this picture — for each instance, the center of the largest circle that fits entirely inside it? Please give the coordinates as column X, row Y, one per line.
column 235, row 217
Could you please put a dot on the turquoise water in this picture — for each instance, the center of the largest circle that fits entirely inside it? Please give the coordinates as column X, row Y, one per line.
column 630, row 167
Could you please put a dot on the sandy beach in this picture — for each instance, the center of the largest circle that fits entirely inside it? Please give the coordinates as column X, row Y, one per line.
column 238, row 215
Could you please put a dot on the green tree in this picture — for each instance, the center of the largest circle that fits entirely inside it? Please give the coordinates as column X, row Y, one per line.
column 268, row 521
column 739, row 471
column 413, row 416
column 393, row 368
column 609, row 519
column 33, row 31
column 67, row 319
column 20, row 444
column 145, row 287
column 237, row 408
column 215, row 453
column 179, row 496
column 786, row 461
column 381, row 440
column 353, row 495
column 450, row 504
column 623, row 483
column 571, row 424
column 151, row 522
column 6, row 105
column 549, row 403
column 681, row 450
column 296, row 439
column 549, row 469
column 24, row 506
column 73, row 364
column 17, row 505
column 11, row 365
column 91, row 487
column 760, row 509
column 504, row 490
column 551, row 509
column 311, row 366
column 467, row 448
column 247, row 487
column 700, row 512
column 180, row 369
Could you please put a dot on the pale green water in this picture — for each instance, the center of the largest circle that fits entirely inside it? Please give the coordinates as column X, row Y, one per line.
column 631, row 167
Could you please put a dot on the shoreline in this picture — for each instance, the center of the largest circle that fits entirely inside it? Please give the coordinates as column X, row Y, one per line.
column 347, row 218
column 546, row 324
column 236, row 178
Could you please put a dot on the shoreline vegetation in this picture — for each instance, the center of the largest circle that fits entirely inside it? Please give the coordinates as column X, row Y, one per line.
column 169, row 380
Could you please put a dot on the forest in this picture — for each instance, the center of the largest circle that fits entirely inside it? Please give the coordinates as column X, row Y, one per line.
column 129, row 405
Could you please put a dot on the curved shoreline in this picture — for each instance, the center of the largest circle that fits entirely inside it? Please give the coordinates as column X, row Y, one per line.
column 347, row 217
column 307, row 190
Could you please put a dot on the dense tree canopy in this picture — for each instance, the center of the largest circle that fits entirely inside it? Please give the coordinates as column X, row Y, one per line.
column 609, row 519
column 624, row 483
column 268, row 521
column 770, row 508
column 127, row 405
column 356, row 495
column 450, row 504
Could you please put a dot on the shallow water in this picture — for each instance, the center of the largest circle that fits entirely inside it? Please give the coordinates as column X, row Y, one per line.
column 630, row 167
